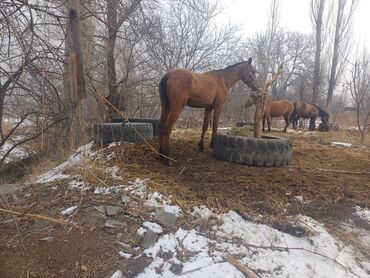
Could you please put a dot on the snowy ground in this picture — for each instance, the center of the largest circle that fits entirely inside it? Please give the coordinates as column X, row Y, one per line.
column 16, row 154
column 204, row 252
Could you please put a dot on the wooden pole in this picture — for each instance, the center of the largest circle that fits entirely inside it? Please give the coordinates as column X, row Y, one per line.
column 77, row 91
column 257, row 117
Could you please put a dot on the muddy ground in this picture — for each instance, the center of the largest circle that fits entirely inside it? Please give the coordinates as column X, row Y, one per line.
column 313, row 185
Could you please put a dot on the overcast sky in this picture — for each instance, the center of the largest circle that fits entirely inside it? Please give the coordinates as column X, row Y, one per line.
column 252, row 15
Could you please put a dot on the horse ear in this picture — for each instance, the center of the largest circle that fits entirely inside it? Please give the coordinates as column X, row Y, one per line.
column 250, row 60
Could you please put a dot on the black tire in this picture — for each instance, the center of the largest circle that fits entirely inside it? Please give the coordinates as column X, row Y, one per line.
column 154, row 122
column 264, row 152
column 107, row 133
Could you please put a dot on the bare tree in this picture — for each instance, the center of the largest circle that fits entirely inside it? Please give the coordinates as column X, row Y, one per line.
column 317, row 17
column 115, row 19
column 360, row 91
column 344, row 14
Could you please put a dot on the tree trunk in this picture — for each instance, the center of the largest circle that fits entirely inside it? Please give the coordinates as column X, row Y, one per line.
column 364, row 129
column 2, row 99
column 113, row 97
column 76, row 76
column 317, row 69
column 257, row 117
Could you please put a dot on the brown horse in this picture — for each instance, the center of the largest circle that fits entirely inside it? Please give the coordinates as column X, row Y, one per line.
column 201, row 90
column 272, row 109
column 306, row 110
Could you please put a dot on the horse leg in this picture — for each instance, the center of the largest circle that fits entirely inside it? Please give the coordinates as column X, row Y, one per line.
column 295, row 122
column 162, row 127
column 207, row 114
column 312, row 123
column 269, row 123
column 263, row 123
column 171, row 120
column 216, row 115
column 286, row 118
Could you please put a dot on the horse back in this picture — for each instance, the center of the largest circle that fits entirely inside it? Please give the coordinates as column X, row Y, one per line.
column 305, row 110
column 279, row 108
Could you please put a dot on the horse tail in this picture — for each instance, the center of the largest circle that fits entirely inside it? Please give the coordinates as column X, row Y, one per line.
column 163, row 93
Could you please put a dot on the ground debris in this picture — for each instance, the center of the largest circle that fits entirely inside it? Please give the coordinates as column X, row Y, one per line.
column 109, row 223
column 165, row 218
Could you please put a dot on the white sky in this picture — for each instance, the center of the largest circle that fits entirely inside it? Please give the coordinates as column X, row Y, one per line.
column 252, row 15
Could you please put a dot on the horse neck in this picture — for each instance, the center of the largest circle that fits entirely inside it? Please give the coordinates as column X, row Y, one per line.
column 322, row 113
column 232, row 75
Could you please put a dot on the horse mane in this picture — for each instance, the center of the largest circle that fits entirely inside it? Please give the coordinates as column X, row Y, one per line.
column 231, row 66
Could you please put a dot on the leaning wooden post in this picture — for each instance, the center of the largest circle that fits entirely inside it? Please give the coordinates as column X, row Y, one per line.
column 259, row 100
column 77, row 91
column 257, row 116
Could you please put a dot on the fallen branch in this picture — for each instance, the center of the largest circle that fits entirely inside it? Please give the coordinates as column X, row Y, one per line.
column 343, row 172
column 241, row 267
column 41, row 217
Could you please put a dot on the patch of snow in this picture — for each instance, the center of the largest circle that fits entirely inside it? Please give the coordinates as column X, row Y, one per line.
column 51, row 177
column 117, row 274
column 157, row 200
column 141, row 231
column 363, row 213
column 17, row 153
column 124, row 255
column 153, row 226
column 261, row 247
column 341, row 144
column 137, row 187
column 109, row 190
column 202, row 212
column 113, row 173
column 114, row 144
column 69, row 210
column 109, row 157
column 78, row 184
column 172, row 209
column 216, row 270
column 300, row 199
column 57, row 172
column 291, row 130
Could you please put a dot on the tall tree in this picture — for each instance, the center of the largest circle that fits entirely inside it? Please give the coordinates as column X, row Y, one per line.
column 114, row 21
column 359, row 85
column 345, row 11
column 317, row 15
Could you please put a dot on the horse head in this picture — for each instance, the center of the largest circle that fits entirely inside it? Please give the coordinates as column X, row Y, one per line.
column 249, row 75
column 325, row 118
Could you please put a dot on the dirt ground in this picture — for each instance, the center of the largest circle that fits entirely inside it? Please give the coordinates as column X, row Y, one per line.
column 266, row 195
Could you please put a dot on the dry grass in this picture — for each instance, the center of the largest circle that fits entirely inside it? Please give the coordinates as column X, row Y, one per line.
column 200, row 179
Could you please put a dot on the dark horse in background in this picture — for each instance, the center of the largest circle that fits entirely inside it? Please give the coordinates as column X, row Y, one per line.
column 306, row 110
column 200, row 90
